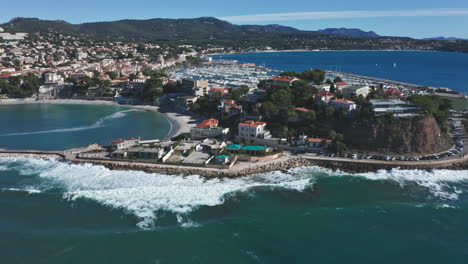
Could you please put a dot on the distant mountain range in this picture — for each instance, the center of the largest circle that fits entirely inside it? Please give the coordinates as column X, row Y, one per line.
column 444, row 38
column 350, row 32
column 209, row 31
column 150, row 29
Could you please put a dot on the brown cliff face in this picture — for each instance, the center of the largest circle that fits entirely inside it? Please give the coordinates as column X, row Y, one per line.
column 399, row 136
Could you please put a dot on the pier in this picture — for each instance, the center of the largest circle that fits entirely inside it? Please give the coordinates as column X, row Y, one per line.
column 378, row 80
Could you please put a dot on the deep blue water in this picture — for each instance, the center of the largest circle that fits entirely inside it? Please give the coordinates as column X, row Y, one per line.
column 436, row 69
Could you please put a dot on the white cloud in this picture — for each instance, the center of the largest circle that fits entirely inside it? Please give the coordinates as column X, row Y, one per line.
column 346, row 14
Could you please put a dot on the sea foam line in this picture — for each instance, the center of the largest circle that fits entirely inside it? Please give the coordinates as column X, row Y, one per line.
column 97, row 124
column 145, row 194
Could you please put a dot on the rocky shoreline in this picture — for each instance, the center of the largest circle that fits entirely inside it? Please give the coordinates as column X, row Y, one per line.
column 352, row 167
column 347, row 167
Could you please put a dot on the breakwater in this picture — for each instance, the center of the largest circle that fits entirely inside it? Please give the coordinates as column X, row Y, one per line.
column 349, row 166
column 374, row 79
column 243, row 169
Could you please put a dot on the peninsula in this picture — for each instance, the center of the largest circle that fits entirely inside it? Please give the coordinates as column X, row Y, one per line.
column 229, row 118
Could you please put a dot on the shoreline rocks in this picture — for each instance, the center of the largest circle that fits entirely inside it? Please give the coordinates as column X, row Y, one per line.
column 351, row 167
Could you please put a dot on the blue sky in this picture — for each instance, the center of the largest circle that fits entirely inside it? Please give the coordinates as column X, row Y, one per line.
column 415, row 18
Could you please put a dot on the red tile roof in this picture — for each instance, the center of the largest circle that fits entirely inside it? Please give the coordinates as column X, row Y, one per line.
column 301, row 109
column 208, row 123
column 318, row 140
column 343, row 101
column 341, row 83
column 283, row 79
column 219, row 90
column 251, row 123
column 393, row 91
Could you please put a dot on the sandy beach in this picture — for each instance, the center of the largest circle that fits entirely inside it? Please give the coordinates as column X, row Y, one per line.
column 180, row 122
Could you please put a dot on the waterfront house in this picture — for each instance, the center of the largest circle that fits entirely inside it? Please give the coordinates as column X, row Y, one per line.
column 315, row 143
column 343, row 103
column 356, row 90
column 125, row 143
column 323, row 97
column 208, row 129
column 299, row 141
column 248, row 149
column 318, row 143
column 253, row 129
column 145, row 153
column 119, row 154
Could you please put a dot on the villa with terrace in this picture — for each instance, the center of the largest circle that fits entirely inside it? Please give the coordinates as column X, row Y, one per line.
column 208, row 129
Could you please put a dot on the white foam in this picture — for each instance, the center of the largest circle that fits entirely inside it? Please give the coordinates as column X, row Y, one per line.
column 27, row 189
column 144, row 194
column 436, row 181
column 100, row 123
column 3, row 168
column 439, row 182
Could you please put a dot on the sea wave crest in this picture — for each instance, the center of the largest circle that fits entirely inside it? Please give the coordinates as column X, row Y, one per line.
column 145, row 194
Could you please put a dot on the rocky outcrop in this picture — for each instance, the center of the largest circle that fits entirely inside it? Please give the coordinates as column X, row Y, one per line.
column 399, row 136
column 350, row 166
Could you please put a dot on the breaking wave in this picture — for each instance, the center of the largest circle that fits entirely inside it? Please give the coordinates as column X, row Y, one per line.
column 97, row 124
column 145, row 194
column 438, row 182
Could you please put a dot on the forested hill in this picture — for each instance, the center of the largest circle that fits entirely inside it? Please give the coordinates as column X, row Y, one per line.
column 209, row 30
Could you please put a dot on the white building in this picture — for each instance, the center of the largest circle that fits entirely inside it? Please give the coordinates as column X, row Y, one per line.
column 393, row 106
column 253, row 129
column 7, row 69
column 343, row 103
column 52, row 77
column 81, row 55
column 125, row 143
column 208, row 129
column 16, row 36
column 356, row 90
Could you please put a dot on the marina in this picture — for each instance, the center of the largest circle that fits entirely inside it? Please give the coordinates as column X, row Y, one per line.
column 227, row 73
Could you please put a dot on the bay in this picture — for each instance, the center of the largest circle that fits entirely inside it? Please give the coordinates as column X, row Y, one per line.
column 427, row 68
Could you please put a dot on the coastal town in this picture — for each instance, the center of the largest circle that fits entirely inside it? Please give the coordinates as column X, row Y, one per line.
column 246, row 115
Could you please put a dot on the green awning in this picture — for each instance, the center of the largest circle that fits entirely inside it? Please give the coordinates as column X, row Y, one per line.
column 234, row 147
column 254, row 148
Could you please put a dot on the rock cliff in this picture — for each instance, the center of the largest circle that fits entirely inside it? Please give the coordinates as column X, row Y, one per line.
column 399, row 136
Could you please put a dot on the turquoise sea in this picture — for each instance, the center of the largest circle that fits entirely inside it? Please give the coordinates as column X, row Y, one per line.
column 65, row 126
column 52, row 212
column 436, row 69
